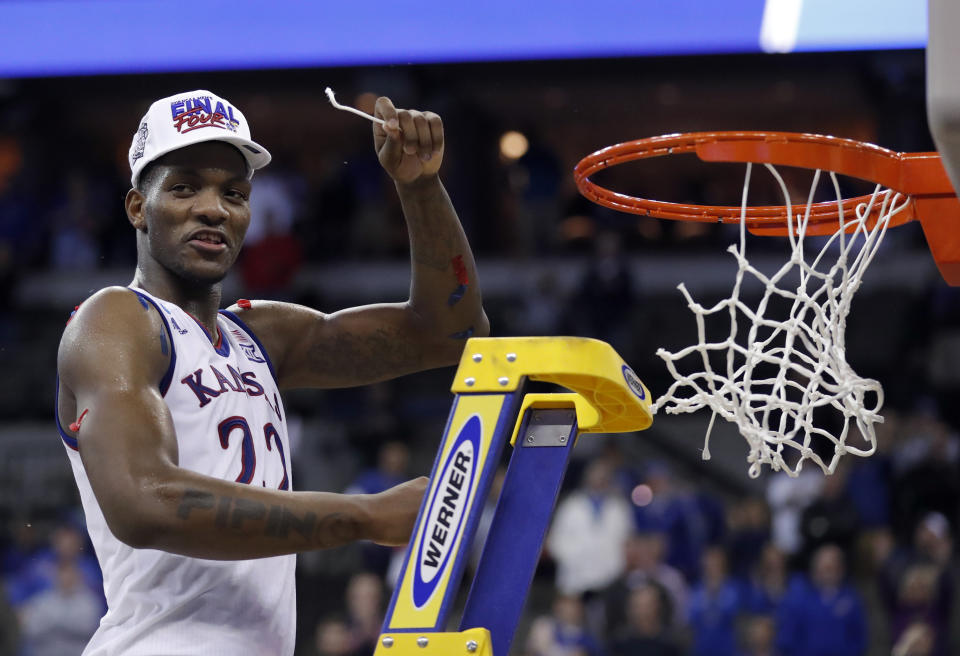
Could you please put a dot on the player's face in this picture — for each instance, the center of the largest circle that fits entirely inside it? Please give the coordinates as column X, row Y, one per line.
column 196, row 211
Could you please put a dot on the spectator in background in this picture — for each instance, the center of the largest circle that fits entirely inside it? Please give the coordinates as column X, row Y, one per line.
column 333, row 638
column 646, row 631
column 589, row 531
column 75, row 217
column 374, row 415
column 830, row 518
column 923, row 428
column 749, row 530
column 540, row 309
column 600, row 307
column 917, row 640
column 22, row 544
column 62, row 619
column 393, row 461
column 767, row 583
column 626, row 474
column 536, row 178
column 869, row 479
column 562, row 633
column 365, row 609
column 271, row 253
column 674, row 513
column 917, row 584
column 822, row 615
column 921, row 599
column 643, row 555
column 40, row 572
column 759, row 636
column 714, row 605
column 788, row 497
column 931, row 483
column 19, row 207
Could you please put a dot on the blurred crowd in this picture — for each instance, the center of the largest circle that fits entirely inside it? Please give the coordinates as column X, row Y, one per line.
column 640, row 559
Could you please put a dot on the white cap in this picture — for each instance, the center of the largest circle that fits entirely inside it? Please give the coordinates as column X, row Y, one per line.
column 188, row 118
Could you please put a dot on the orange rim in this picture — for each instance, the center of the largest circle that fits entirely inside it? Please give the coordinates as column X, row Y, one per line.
column 918, row 175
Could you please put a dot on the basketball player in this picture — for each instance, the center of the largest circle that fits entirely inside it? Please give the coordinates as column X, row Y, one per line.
column 170, row 408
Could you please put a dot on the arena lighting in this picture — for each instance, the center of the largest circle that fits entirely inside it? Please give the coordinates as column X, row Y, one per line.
column 513, row 145
column 91, row 37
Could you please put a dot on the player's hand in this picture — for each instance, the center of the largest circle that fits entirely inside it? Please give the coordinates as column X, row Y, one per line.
column 395, row 511
column 410, row 145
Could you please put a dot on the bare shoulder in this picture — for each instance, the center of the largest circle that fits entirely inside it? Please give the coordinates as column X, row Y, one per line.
column 112, row 327
column 275, row 323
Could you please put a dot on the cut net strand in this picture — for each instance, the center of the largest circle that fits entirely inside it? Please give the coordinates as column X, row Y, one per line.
column 806, row 348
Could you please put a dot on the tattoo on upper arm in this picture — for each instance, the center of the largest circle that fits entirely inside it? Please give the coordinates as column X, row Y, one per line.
column 465, row 334
column 456, row 295
column 460, row 271
column 277, row 521
column 163, row 341
column 372, row 355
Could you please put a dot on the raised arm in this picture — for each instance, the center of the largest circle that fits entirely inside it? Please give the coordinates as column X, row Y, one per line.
column 376, row 342
column 111, row 359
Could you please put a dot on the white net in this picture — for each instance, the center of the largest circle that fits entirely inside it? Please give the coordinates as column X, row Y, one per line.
column 775, row 371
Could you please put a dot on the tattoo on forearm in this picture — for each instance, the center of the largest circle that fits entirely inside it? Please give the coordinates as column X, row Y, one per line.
column 223, row 512
column 244, row 509
column 194, row 500
column 277, row 520
column 465, row 334
column 281, row 521
column 337, row 528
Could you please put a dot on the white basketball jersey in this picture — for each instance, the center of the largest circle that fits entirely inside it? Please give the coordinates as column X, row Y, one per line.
column 230, row 424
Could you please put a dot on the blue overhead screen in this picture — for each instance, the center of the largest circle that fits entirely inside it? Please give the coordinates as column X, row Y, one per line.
column 77, row 37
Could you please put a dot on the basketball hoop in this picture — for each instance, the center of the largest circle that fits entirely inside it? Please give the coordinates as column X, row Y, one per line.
column 781, row 371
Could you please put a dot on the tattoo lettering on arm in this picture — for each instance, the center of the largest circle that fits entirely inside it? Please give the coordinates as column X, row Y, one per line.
column 277, row 521
column 336, row 528
column 194, row 499
column 244, row 509
column 281, row 521
column 223, row 512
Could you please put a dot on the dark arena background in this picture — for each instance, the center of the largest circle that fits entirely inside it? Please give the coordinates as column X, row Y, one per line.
column 525, row 92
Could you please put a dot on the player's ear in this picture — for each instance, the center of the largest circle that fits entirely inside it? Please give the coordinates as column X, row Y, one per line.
column 134, row 205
